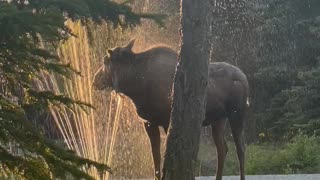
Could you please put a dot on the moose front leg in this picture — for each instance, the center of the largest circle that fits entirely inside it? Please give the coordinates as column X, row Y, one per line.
column 154, row 136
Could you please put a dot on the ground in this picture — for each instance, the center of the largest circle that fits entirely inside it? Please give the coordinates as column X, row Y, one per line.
column 269, row 177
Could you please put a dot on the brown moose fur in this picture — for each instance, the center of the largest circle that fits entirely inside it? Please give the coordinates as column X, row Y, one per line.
column 147, row 78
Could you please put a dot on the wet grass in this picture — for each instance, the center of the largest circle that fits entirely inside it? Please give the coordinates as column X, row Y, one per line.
column 299, row 156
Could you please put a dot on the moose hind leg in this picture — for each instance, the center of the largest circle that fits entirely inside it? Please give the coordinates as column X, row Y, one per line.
column 237, row 125
column 154, row 136
column 218, row 128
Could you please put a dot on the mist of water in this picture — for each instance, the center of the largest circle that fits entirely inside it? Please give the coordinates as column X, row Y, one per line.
column 110, row 133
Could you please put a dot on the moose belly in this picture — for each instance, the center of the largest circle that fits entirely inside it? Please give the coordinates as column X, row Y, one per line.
column 156, row 111
column 154, row 115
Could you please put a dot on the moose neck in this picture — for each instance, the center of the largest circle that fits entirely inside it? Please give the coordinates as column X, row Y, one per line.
column 131, row 79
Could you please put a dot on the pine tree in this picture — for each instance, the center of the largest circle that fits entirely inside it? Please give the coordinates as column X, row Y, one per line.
column 24, row 26
column 288, row 62
column 189, row 91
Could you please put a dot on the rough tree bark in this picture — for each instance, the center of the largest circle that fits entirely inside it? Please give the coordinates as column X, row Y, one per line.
column 189, row 91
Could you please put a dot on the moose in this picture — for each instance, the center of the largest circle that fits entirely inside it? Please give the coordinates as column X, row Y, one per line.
column 147, row 78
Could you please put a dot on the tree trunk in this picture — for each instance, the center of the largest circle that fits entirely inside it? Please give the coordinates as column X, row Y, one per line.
column 189, row 91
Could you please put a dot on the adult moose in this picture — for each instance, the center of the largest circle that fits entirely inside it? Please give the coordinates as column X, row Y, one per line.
column 147, row 77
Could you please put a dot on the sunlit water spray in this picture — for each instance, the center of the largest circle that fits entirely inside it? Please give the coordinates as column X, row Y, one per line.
column 110, row 133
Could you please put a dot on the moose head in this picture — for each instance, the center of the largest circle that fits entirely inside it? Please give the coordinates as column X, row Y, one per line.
column 108, row 74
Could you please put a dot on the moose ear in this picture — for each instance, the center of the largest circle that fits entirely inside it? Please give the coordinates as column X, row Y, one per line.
column 130, row 44
column 109, row 51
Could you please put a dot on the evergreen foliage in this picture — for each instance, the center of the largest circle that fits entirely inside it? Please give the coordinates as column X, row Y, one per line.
column 288, row 68
column 24, row 27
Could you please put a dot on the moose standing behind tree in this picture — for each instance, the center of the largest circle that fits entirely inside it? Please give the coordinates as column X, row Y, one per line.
column 147, row 78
